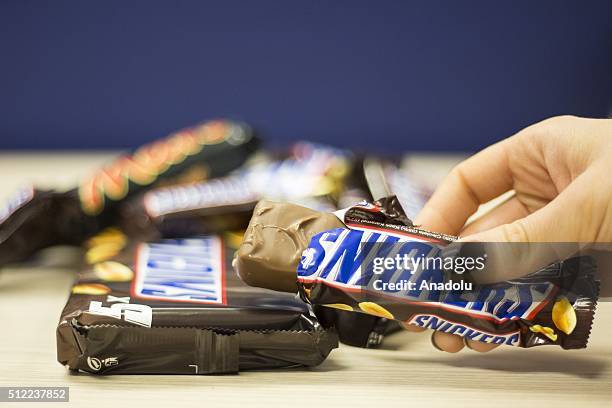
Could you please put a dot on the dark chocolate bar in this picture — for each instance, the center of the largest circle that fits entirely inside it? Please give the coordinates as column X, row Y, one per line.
column 177, row 307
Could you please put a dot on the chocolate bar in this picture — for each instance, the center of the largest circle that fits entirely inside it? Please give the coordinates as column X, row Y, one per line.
column 273, row 243
column 37, row 219
column 206, row 151
column 382, row 265
column 177, row 307
column 311, row 175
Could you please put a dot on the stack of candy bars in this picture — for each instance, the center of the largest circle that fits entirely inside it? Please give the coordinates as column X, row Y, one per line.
column 205, row 254
column 157, row 292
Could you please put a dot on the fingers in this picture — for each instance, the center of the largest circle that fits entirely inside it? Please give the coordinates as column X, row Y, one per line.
column 451, row 343
column 479, row 346
column 477, row 180
column 550, row 234
column 508, row 211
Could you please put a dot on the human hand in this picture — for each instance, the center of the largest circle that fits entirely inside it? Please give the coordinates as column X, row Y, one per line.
column 560, row 170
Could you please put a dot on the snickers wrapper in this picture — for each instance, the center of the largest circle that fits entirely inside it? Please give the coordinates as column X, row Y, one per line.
column 342, row 269
column 177, row 307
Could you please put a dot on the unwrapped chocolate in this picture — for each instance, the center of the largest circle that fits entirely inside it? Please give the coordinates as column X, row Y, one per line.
column 274, row 241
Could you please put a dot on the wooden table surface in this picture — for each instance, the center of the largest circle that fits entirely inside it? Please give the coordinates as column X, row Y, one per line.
column 406, row 371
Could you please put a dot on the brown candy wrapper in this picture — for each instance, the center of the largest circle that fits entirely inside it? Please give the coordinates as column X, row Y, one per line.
column 177, row 307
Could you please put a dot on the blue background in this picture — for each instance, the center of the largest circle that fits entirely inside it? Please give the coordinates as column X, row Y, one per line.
column 381, row 75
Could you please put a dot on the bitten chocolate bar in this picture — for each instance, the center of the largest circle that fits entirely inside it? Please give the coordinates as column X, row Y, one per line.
column 273, row 243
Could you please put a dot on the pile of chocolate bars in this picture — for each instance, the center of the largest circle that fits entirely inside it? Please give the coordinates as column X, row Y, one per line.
column 205, row 254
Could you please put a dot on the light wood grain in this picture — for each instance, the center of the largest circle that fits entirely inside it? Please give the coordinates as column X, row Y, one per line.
column 407, row 371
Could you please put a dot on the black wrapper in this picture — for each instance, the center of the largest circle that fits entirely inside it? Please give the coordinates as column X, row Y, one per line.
column 177, row 307
column 357, row 329
column 37, row 219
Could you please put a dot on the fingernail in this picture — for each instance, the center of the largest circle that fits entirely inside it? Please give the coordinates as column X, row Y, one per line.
column 433, row 342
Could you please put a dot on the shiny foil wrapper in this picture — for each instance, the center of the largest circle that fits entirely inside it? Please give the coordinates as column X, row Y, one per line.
column 177, row 307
